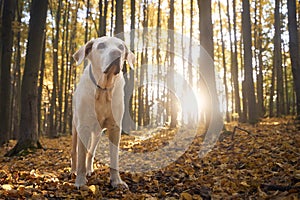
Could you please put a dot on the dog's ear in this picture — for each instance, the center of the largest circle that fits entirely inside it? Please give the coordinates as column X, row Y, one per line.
column 83, row 52
column 130, row 57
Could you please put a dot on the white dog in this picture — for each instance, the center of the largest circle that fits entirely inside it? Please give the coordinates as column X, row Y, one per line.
column 98, row 105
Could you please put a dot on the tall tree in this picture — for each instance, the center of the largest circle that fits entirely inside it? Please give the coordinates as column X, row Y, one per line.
column 212, row 113
column 87, row 17
column 224, row 62
column 54, row 111
column 248, row 69
column 127, row 123
column 5, row 76
column 235, row 72
column 172, row 106
column 40, row 87
column 119, row 28
column 29, row 95
column 206, row 27
column 15, row 106
column 278, row 61
column 294, row 50
column 102, row 18
column 259, row 74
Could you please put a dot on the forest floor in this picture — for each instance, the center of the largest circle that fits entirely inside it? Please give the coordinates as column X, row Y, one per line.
column 262, row 163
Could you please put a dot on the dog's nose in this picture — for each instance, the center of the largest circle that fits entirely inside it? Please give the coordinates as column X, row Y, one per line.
column 115, row 54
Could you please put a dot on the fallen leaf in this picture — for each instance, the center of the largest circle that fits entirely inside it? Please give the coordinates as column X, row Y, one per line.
column 185, row 196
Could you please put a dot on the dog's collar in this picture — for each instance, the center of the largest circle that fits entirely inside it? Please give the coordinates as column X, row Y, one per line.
column 94, row 80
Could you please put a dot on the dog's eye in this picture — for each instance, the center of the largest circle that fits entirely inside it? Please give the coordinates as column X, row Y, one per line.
column 101, row 45
column 121, row 47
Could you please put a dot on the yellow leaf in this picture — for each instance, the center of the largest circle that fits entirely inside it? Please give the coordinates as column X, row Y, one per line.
column 245, row 184
column 7, row 187
column 185, row 196
column 93, row 188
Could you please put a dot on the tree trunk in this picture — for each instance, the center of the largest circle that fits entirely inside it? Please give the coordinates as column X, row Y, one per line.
column 5, row 76
column 15, row 117
column 272, row 92
column 127, row 123
column 173, row 103
column 119, row 28
column 278, row 61
column 235, row 71
column 40, row 89
column 29, row 95
column 224, row 64
column 248, row 70
column 206, row 41
column 112, row 18
column 102, row 18
column 68, row 68
column 259, row 75
column 86, row 33
column 54, row 111
column 294, row 51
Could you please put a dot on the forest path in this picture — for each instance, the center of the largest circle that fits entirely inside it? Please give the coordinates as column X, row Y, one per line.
column 264, row 163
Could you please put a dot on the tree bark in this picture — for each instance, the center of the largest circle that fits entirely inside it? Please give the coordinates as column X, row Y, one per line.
column 278, row 61
column 102, row 18
column 29, row 95
column 259, row 75
column 119, row 28
column 54, row 112
column 294, row 51
column 40, row 89
column 5, row 76
column 224, row 63
column 206, row 41
column 127, row 123
column 173, row 103
column 16, row 97
column 86, row 33
column 248, row 70
column 235, row 71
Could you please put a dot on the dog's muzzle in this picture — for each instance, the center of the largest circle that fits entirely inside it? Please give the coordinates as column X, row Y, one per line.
column 115, row 66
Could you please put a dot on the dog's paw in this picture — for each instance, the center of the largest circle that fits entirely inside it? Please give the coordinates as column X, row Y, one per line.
column 89, row 173
column 118, row 184
column 80, row 181
column 73, row 171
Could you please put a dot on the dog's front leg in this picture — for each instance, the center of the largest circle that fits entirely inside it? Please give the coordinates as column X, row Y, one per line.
column 95, row 137
column 74, row 151
column 81, row 164
column 114, row 140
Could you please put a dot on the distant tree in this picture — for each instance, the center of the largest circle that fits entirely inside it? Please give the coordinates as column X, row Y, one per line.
column 294, row 50
column 29, row 94
column 224, row 62
column 259, row 75
column 119, row 26
column 248, row 68
column 235, row 72
column 278, row 61
column 127, row 123
column 102, row 17
column 206, row 40
column 54, row 111
column 173, row 107
column 87, row 17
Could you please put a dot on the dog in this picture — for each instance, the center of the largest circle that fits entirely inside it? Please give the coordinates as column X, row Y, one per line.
column 98, row 105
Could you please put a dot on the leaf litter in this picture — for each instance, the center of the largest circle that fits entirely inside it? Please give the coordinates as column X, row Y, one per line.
column 260, row 163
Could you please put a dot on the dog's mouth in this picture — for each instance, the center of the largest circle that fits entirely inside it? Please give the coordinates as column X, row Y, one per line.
column 114, row 67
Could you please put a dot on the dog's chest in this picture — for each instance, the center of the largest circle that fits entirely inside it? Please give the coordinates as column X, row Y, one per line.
column 103, row 107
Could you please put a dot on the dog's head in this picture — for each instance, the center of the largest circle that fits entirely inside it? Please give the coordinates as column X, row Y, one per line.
column 107, row 55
